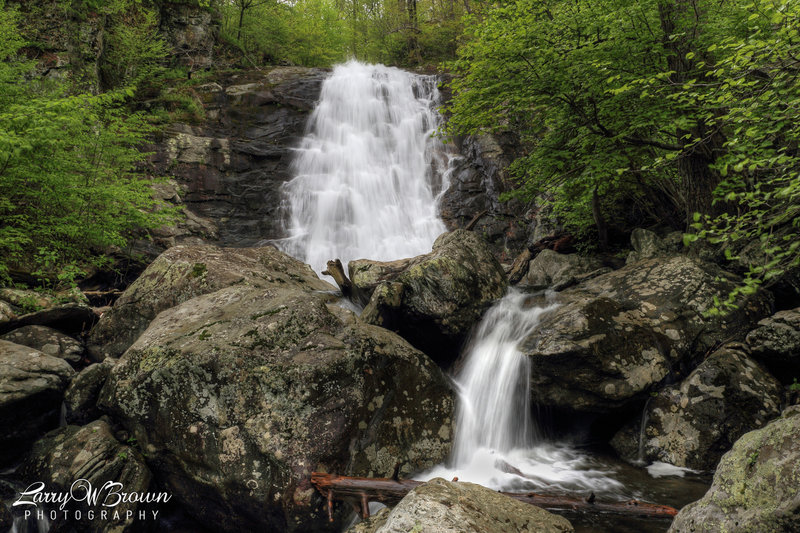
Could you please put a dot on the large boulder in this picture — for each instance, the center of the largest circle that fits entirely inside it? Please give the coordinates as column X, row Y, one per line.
column 183, row 272
column 91, row 453
column 65, row 311
column 756, row 487
column 551, row 269
column 240, row 394
column 441, row 506
column 618, row 335
column 49, row 341
column 692, row 424
column 776, row 341
column 32, row 387
column 80, row 399
column 437, row 298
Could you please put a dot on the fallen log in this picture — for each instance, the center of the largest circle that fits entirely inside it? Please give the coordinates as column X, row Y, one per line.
column 336, row 271
column 360, row 490
column 520, row 266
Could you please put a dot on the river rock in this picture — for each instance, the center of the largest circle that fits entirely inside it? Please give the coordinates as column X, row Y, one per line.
column 49, row 341
column 441, row 506
column 756, row 487
column 66, row 311
column 692, row 424
column 557, row 271
column 616, row 336
column 437, row 298
column 183, row 272
column 240, row 394
column 91, row 453
column 32, row 387
column 647, row 244
column 80, row 399
column 776, row 341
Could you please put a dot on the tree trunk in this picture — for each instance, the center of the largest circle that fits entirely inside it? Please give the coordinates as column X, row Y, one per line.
column 360, row 491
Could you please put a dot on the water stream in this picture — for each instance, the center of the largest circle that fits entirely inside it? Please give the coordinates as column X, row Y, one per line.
column 369, row 169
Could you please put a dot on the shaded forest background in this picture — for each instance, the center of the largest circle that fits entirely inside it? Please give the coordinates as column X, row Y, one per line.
column 677, row 114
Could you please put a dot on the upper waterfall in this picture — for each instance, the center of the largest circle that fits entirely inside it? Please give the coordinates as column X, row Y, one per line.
column 368, row 169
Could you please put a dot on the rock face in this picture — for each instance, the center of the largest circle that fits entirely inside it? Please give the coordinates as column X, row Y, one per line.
column 189, row 31
column 618, row 335
column 91, row 453
column 557, row 271
column 238, row 395
column 183, row 272
column 31, row 389
column 776, row 341
column 692, row 424
column 80, row 399
column 440, row 506
column 48, row 341
column 435, row 300
column 756, row 487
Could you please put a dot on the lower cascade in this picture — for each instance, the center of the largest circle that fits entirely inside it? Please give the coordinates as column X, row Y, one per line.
column 368, row 170
column 497, row 443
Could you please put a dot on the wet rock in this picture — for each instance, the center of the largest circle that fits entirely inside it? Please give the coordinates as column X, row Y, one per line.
column 618, row 335
column 238, row 395
column 32, row 387
column 441, row 506
column 91, row 453
column 183, row 272
column 80, row 399
column 557, row 271
column 756, row 486
column 692, row 424
column 48, row 341
column 437, row 297
column 66, row 311
column 776, row 341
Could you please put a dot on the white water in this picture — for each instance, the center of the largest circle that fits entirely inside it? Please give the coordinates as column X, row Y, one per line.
column 368, row 170
column 496, row 443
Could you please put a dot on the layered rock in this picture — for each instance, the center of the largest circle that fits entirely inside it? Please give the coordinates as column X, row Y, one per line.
column 49, row 341
column 183, row 272
column 441, row 506
column 692, row 424
column 756, row 486
column 91, row 453
column 618, row 335
column 239, row 394
column 776, row 341
column 32, row 387
column 434, row 300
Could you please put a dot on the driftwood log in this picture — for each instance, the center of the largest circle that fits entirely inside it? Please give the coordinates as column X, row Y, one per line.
column 336, row 271
column 520, row 266
column 359, row 491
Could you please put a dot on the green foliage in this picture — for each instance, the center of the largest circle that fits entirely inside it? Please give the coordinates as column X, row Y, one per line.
column 134, row 51
column 69, row 184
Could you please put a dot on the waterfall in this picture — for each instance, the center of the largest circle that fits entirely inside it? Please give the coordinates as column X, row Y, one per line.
column 496, row 441
column 368, row 170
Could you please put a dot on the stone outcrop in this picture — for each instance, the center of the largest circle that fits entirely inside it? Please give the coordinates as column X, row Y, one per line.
column 436, row 298
column 693, row 423
column 756, row 487
column 617, row 336
column 32, row 387
column 91, row 453
column 239, row 394
column 441, row 506
column 183, row 272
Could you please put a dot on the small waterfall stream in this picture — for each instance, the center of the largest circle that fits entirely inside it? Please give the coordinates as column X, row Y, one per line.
column 496, row 441
column 369, row 169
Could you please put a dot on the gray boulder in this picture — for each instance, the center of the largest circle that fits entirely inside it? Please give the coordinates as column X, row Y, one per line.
column 441, row 506
column 91, row 453
column 67, row 311
column 756, row 487
column 693, row 423
column 776, row 341
column 618, row 335
column 436, row 299
column 238, row 395
column 49, row 341
column 32, row 387
column 183, row 272
column 80, row 399
column 557, row 271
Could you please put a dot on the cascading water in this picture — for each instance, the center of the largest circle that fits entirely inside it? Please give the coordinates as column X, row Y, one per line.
column 496, row 442
column 367, row 170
